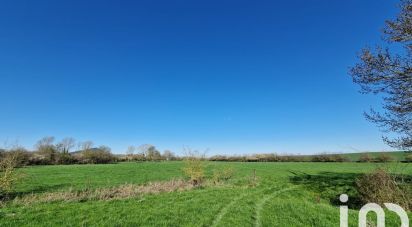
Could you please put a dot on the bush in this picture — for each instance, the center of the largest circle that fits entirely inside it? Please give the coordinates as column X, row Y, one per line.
column 21, row 155
column 381, row 187
column 38, row 159
column 194, row 168
column 49, row 154
column 383, row 158
column 65, row 158
column 222, row 175
column 218, row 158
column 408, row 158
column 8, row 174
column 339, row 158
column 329, row 158
column 101, row 155
column 365, row 158
column 266, row 157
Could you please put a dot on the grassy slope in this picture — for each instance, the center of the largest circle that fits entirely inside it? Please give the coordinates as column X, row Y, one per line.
column 286, row 196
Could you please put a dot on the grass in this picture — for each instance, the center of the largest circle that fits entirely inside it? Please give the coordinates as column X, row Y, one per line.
column 287, row 194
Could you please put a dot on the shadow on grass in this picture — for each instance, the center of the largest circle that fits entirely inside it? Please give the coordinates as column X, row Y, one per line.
column 330, row 186
column 39, row 189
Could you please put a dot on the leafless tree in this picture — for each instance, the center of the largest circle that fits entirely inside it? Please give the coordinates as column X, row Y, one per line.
column 66, row 145
column 131, row 150
column 47, row 149
column 150, row 152
column 389, row 74
column 86, row 145
column 45, row 142
column 168, row 155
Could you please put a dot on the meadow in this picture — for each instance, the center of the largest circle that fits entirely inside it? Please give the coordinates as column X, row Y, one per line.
column 282, row 194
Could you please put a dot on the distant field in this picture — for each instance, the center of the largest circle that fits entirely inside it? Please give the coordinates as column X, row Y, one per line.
column 287, row 194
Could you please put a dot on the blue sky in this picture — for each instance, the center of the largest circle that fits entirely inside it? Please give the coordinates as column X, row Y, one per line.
column 232, row 76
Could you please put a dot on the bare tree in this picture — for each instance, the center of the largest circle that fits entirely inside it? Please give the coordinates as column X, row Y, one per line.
column 47, row 149
column 86, row 145
column 45, row 142
column 150, row 152
column 389, row 74
column 168, row 155
column 130, row 152
column 66, row 145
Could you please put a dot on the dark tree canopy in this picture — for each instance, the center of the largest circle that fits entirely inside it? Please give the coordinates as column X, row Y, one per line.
column 389, row 74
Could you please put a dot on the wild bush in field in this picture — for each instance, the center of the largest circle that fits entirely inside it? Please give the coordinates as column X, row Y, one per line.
column 381, row 187
column 408, row 158
column 21, row 155
column 222, row 175
column 8, row 174
column 194, row 167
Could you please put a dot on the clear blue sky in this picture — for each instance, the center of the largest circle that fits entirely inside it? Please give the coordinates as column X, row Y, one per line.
column 232, row 76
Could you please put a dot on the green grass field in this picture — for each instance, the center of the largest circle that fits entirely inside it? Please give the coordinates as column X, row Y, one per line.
column 287, row 194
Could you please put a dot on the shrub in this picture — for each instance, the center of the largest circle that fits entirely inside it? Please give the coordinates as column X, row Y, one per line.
column 381, row 187
column 150, row 152
column 21, row 155
column 194, row 168
column 266, row 157
column 320, row 158
column 218, row 158
column 339, row 158
column 65, row 158
column 329, row 158
column 8, row 174
column 408, row 158
column 222, row 175
column 101, row 155
column 383, row 158
column 38, row 159
column 168, row 156
column 365, row 158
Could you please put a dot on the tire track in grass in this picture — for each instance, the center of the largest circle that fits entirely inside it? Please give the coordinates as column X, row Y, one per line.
column 263, row 201
column 225, row 209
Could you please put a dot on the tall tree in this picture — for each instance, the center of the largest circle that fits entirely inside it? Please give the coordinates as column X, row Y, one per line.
column 387, row 72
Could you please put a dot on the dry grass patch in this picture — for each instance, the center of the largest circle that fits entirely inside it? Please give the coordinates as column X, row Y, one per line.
column 121, row 192
column 382, row 187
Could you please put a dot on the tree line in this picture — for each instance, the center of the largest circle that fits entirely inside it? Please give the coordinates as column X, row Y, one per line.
column 67, row 151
